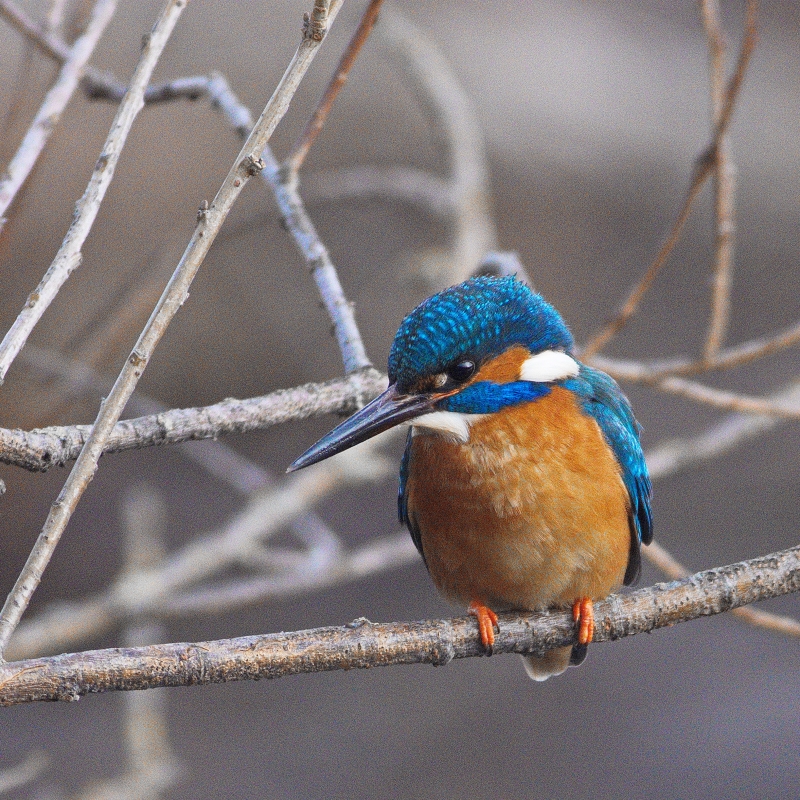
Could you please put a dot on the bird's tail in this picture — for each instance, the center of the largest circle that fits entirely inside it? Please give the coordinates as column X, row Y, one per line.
column 553, row 662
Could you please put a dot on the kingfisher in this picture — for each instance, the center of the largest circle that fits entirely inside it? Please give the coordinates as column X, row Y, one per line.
column 523, row 482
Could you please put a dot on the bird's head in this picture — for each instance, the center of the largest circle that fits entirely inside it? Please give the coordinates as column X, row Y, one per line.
column 469, row 350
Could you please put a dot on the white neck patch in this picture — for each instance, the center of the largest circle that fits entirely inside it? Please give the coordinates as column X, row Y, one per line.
column 548, row 366
column 450, row 424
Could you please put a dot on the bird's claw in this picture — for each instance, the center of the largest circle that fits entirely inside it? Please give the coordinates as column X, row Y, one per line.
column 487, row 621
column 583, row 616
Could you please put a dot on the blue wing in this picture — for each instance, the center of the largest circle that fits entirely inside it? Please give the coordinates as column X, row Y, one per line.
column 402, row 502
column 605, row 402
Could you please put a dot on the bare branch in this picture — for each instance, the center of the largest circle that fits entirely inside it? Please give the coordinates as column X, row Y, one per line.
column 284, row 186
column 363, row 644
column 380, row 555
column 69, row 254
column 649, row 371
column 631, row 305
column 319, row 262
column 662, row 559
column 38, row 450
column 176, row 292
column 702, row 169
column 55, row 102
column 317, row 121
column 731, row 401
column 724, row 186
column 673, row 456
column 51, row 44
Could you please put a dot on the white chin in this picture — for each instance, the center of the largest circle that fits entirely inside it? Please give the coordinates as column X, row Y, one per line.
column 450, row 424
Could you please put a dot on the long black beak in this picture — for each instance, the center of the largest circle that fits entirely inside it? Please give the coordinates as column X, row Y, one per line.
column 384, row 412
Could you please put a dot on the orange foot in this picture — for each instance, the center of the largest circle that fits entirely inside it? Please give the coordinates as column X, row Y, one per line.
column 487, row 620
column 583, row 615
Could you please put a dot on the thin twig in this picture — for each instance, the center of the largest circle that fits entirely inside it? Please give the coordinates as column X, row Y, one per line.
column 382, row 554
column 55, row 102
column 702, row 169
column 48, row 41
column 318, row 119
column 319, row 262
column 672, row 456
column 731, row 401
column 724, row 186
column 97, row 83
column 363, row 644
column 247, row 164
column 86, row 209
column 631, row 305
column 296, row 219
column 219, row 460
column 649, row 371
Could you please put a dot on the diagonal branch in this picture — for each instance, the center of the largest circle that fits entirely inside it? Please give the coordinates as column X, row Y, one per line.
column 319, row 262
column 702, row 170
column 320, row 116
column 247, row 164
column 54, row 46
column 648, row 371
column 363, row 644
column 86, row 209
column 175, row 587
column 55, row 102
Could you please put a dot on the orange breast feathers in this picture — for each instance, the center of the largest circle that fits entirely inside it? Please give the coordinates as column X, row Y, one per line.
column 531, row 512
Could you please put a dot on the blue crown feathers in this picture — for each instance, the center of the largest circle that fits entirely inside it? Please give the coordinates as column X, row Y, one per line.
column 477, row 319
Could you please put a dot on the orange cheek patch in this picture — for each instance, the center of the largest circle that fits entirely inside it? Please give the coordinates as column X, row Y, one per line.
column 505, row 368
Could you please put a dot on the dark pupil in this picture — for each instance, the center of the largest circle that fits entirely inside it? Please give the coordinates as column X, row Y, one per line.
column 462, row 371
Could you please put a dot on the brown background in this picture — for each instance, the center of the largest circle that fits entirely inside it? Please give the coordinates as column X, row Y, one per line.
column 593, row 113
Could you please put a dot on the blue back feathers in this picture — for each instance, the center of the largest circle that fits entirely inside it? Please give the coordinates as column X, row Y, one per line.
column 602, row 399
column 477, row 319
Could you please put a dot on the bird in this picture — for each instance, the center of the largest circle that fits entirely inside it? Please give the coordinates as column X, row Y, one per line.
column 523, row 482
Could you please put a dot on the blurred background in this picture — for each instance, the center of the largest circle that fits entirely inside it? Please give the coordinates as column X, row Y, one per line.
column 591, row 114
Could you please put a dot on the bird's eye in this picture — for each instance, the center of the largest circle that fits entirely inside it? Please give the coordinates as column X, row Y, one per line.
column 462, row 371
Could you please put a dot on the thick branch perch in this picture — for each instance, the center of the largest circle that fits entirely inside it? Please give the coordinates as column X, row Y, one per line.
column 363, row 644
